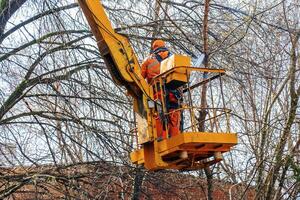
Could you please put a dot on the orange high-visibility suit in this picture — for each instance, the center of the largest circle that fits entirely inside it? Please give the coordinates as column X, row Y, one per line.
column 150, row 69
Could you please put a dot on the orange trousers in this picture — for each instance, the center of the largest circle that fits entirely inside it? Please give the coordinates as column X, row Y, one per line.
column 174, row 122
column 159, row 128
column 173, row 125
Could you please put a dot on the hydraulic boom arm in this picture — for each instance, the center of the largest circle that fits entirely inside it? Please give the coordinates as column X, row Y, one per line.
column 115, row 49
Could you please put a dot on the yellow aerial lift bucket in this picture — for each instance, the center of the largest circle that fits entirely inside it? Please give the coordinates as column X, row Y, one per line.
column 190, row 149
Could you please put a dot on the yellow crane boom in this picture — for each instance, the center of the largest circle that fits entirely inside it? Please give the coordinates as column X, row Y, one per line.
column 115, row 49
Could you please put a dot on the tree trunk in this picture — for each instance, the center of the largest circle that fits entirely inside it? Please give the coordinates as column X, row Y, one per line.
column 201, row 128
column 137, row 185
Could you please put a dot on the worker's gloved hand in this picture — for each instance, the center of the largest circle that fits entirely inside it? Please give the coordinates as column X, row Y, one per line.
column 177, row 94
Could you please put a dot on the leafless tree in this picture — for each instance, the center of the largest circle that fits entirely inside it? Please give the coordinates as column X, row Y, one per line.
column 66, row 127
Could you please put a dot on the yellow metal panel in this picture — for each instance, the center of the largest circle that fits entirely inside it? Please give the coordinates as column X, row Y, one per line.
column 137, row 157
column 150, row 120
column 204, row 137
column 175, row 61
column 177, row 77
column 142, row 128
column 152, row 159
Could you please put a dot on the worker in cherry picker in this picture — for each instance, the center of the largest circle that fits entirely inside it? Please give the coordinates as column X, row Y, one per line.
column 150, row 69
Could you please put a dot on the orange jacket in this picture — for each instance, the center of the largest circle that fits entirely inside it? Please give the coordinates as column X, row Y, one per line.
column 150, row 68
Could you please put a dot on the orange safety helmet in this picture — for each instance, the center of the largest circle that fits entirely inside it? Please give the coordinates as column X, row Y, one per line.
column 157, row 44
